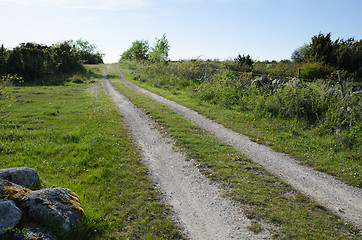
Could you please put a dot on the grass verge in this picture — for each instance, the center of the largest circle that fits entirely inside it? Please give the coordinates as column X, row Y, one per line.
column 262, row 196
column 74, row 137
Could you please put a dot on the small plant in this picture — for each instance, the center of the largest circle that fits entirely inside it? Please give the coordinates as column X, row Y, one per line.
column 255, row 227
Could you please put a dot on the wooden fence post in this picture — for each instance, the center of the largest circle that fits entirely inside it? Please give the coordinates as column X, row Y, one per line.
column 299, row 75
column 340, row 81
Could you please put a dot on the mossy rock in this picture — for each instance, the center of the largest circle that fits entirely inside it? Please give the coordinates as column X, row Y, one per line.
column 57, row 208
column 12, row 191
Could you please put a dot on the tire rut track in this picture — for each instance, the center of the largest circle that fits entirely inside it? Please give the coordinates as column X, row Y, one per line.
column 342, row 199
column 197, row 204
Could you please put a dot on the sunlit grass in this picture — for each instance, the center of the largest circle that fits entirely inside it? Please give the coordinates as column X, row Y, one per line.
column 74, row 137
column 261, row 195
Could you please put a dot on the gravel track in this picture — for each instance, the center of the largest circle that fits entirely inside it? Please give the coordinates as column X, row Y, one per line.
column 341, row 199
column 197, row 204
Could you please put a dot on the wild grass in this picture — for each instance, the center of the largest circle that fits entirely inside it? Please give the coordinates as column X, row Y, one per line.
column 74, row 137
column 262, row 196
column 314, row 125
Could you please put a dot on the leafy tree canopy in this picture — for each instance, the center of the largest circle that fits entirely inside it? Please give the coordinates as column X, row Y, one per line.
column 301, row 54
column 141, row 51
column 340, row 54
column 159, row 53
column 138, row 51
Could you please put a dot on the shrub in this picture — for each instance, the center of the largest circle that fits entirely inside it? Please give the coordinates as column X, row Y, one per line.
column 33, row 61
column 280, row 69
column 315, row 70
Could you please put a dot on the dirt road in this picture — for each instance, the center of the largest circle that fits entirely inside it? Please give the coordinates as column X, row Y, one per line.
column 197, row 204
column 343, row 200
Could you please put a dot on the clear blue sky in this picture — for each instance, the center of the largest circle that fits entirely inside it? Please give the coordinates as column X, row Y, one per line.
column 214, row 29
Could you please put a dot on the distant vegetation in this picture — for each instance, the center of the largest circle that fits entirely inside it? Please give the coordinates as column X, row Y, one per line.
column 321, row 58
column 341, row 54
column 140, row 50
column 32, row 60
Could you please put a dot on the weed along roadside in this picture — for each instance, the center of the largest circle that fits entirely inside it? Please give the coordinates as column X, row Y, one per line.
column 72, row 135
column 262, row 196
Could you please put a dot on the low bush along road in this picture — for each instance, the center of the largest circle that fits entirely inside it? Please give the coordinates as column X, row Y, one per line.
column 202, row 212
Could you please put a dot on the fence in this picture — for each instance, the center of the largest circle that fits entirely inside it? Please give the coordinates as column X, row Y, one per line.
column 208, row 70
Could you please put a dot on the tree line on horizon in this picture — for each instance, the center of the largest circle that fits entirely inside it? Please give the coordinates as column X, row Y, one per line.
column 341, row 54
column 32, row 60
column 320, row 58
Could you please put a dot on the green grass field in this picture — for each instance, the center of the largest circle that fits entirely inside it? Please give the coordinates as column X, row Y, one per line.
column 74, row 137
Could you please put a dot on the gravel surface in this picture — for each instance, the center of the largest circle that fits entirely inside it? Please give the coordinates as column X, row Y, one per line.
column 196, row 203
column 341, row 199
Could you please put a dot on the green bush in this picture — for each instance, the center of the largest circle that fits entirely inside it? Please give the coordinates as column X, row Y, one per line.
column 276, row 69
column 33, row 61
column 315, row 70
column 220, row 89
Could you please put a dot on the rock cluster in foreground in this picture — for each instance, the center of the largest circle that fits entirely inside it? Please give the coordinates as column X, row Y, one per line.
column 32, row 214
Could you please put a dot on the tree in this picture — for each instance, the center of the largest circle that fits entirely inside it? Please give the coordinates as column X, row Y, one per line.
column 244, row 60
column 159, row 53
column 301, row 54
column 3, row 55
column 244, row 63
column 343, row 54
column 87, row 51
column 126, row 55
column 357, row 57
column 321, row 49
column 84, row 46
column 138, row 51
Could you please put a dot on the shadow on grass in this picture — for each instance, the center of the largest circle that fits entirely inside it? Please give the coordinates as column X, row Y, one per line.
column 87, row 229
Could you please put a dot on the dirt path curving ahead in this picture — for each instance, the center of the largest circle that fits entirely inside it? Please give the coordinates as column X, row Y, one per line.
column 341, row 199
column 197, row 204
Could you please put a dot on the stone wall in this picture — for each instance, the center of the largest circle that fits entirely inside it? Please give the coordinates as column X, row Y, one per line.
column 26, row 213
